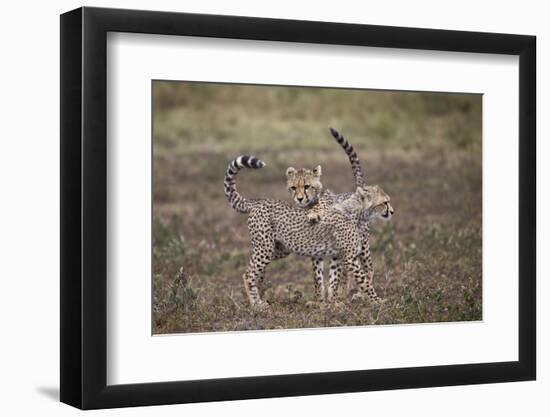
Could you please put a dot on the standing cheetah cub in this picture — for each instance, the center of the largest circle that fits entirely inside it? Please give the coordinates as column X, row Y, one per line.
column 365, row 204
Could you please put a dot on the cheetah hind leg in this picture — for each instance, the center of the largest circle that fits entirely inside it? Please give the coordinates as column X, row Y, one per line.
column 335, row 276
column 318, row 269
column 252, row 279
column 279, row 252
column 319, row 287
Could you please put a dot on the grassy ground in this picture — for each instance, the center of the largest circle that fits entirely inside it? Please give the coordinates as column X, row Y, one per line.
column 423, row 149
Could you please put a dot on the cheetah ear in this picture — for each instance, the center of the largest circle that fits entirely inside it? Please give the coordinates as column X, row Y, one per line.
column 290, row 172
column 317, row 171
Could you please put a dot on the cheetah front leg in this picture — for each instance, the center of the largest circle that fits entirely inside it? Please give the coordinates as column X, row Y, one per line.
column 364, row 255
column 364, row 282
column 365, row 258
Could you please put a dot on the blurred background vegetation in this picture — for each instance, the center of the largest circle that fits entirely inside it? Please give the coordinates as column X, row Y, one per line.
column 424, row 149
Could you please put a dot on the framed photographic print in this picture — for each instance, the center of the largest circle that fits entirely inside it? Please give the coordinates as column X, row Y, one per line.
column 257, row 207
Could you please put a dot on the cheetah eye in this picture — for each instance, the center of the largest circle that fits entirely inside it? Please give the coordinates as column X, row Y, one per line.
column 306, row 187
column 293, row 188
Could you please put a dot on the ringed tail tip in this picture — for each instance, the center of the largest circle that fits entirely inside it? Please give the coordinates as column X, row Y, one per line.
column 248, row 161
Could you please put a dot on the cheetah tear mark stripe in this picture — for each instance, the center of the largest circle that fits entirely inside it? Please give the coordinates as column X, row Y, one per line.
column 237, row 201
column 352, row 155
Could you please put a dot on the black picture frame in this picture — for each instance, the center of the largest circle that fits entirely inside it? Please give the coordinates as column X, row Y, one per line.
column 84, row 207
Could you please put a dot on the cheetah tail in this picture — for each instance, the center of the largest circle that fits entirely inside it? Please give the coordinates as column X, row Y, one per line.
column 237, row 201
column 352, row 156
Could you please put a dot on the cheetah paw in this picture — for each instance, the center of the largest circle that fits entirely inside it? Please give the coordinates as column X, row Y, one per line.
column 314, row 304
column 314, row 218
column 379, row 302
column 337, row 305
column 359, row 297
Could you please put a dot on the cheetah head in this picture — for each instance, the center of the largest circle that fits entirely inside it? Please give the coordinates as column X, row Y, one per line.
column 304, row 185
column 376, row 201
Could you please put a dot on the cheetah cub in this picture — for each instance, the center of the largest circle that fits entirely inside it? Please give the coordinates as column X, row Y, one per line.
column 371, row 202
column 365, row 204
column 305, row 188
